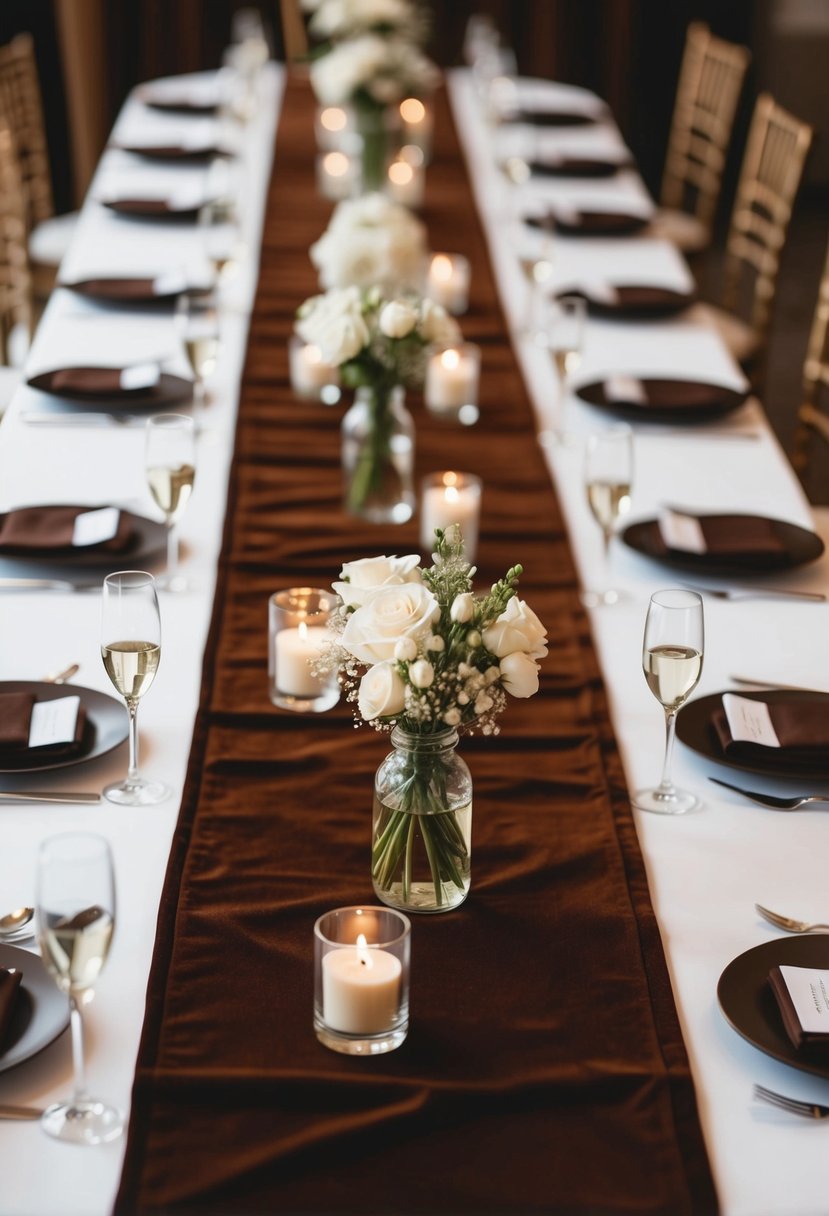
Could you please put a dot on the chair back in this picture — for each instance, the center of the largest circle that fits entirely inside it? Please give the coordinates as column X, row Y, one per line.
column 15, row 281
column 294, row 34
column 813, row 415
column 22, row 109
column 770, row 177
column 710, row 82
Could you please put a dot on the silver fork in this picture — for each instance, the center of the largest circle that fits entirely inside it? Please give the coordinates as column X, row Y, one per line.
column 809, row 1110
column 789, row 923
column 772, row 800
column 756, row 593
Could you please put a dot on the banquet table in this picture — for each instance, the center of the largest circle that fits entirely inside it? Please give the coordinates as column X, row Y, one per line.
column 546, row 1065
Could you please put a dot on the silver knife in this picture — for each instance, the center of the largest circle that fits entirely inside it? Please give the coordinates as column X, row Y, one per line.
column 96, row 420
column 47, row 584
column 20, row 1112
column 86, row 798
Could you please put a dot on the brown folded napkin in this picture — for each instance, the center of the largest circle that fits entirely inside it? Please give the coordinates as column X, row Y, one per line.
column 735, row 535
column 800, row 1038
column 9, row 990
column 553, row 118
column 117, row 289
column 175, row 151
column 801, row 726
column 646, row 297
column 599, row 223
column 149, row 207
column 48, row 530
column 15, row 717
column 181, row 105
column 575, row 166
column 88, row 382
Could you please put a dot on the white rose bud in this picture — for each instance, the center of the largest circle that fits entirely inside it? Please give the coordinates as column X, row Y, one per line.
column 382, row 692
column 421, row 673
column 452, row 717
column 519, row 674
column 405, row 650
column 473, row 639
column 435, row 643
column 397, row 319
column 463, row 608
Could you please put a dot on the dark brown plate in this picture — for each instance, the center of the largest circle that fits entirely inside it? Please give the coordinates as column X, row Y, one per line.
column 577, row 166
column 670, row 400
column 175, row 151
column 170, row 390
column 41, row 1012
column 694, row 729
column 179, row 105
column 592, row 223
column 106, row 725
column 151, row 209
column 123, row 290
column 749, row 1005
column 553, row 118
column 636, row 300
column 150, row 537
column 801, row 546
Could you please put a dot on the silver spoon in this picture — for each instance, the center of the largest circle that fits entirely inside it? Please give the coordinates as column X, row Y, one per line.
column 13, row 922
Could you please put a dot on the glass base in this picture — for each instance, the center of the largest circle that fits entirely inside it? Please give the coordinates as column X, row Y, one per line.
column 306, row 705
column 137, row 792
column 356, row 1045
column 83, row 1122
column 677, row 802
column 384, row 513
column 602, row 599
column 466, row 415
column 421, row 897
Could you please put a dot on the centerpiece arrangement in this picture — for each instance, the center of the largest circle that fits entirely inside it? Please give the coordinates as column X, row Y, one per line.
column 371, row 241
column 421, row 655
column 381, row 347
column 336, row 20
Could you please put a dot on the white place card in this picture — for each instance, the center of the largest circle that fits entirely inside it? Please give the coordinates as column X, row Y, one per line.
column 625, row 388
column 169, row 283
column 96, row 527
column 566, row 213
column 54, row 721
column 680, row 531
column 749, row 721
column 140, row 375
column 809, row 989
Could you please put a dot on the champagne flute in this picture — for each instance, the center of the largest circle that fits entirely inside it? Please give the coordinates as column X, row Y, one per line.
column 75, row 903
column 608, row 477
column 563, row 335
column 219, row 223
column 170, row 463
column 197, row 323
column 131, row 650
column 672, row 653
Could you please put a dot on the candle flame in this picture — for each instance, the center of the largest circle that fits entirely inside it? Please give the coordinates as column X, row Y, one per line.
column 442, row 267
column 450, row 359
column 302, row 629
column 335, row 164
column 333, row 119
column 400, row 173
column 451, row 494
column 412, row 111
column 363, row 952
column 450, row 478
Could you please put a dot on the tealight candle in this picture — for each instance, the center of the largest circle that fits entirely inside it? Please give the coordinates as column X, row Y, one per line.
column 452, row 377
column 451, row 498
column 336, row 176
column 311, row 377
column 333, row 127
column 448, row 281
column 406, row 179
column 361, row 979
column 417, row 118
column 297, row 634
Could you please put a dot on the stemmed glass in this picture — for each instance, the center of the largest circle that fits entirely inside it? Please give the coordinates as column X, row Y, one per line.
column 170, row 464
column 564, row 337
column 219, row 223
column 197, row 323
column 131, row 650
column 672, row 654
column 608, row 479
column 75, row 903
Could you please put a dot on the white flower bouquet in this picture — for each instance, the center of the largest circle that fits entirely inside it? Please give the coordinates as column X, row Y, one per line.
column 372, row 71
column 334, row 20
column 371, row 241
column 420, row 653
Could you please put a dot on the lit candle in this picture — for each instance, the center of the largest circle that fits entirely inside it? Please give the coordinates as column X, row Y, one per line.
column 360, row 989
column 449, row 281
column 452, row 377
column 332, row 128
column 296, row 649
column 310, row 374
column 335, row 176
column 406, row 180
column 418, row 120
column 451, row 498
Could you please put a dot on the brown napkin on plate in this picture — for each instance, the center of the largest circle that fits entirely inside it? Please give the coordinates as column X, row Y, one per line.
column 552, row 118
column 89, row 381
column 732, row 536
column 116, row 289
column 181, row 105
column 48, row 530
column 799, row 1037
column 145, row 206
column 576, row 166
column 802, row 727
column 9, row 990
column 647, row 297
column 15, row 716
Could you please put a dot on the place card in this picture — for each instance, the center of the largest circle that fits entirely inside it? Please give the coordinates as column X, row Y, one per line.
column 141, row 375
column 680, row 531
column 749, row 721
column 169, row 283
column 54, row 721
column 625, row 388
column 95, row 527
column 803, row 996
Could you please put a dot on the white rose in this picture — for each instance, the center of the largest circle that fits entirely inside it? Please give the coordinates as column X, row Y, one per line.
column 405, row 650
column 335, row 323
column 463, row 608
column 382, row 692
column 436, row 325
column 517, row 628
column 392, row 613
column 435, row 643
column 397, row 319
column 422, row 673
column 519, row 674
column 367, row 575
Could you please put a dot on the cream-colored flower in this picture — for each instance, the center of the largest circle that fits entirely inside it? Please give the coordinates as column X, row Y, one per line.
column 519, row 674
column 463, row 607
column 397, row 319
column 391, row 613
column 405, row 650
column 381, row 693
column 336, row 19
column 371, row 241
column 436, row 325
column 364, row 577
column 335, row 323
column 517, row 628
column 422, row 674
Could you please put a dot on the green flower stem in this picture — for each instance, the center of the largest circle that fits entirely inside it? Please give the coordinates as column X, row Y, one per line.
column 371, row 122
column 369, row 472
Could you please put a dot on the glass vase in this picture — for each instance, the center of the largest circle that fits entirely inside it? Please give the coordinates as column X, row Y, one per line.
column 422, row 824
column 378, row 456
column 374, row 131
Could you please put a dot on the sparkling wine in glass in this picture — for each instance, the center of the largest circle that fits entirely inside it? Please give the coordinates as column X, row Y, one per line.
column 170, row 463
column 672, row 654
column 197, row 322
column 75, row 905
column 608, row 479
column 564, row 337
column 131, row 650
column 219, row 223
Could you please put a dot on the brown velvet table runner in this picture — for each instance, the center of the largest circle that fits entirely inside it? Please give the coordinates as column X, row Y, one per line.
column 544, row 1069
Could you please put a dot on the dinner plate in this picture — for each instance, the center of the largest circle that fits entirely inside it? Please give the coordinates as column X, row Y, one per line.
column 150, row 537
column 169, row 390
column 673, row 400
column 179, row 105
column 151, row 209
column 552, row 118
column 749, row 1004
column 800, row 547
column 694, row 729
column 176, row 152
column 106, row 727
column 125, row 290
column 641, row 300
column 41, row 1012
column 577, row 166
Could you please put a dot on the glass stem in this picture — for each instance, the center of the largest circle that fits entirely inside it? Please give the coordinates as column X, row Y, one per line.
column 76, row 1021
column 172, row 550
column 666, row 785
column 132, row 710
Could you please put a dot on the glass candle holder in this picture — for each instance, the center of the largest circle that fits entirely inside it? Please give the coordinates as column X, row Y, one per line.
column 452, row 379
column 417, row 120
column 312, row 378
column 406, row 177
column 451, row 498
column 336, row 176
column 297, row 620
column 361, row 979
column 334, row 129
column 448, row 281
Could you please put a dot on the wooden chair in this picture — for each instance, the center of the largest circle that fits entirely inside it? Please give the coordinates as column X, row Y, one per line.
column 21, row 107
column 294, row 33
column 770, row 177
column 813, row 415
column 15, row 284
column 710, row 82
